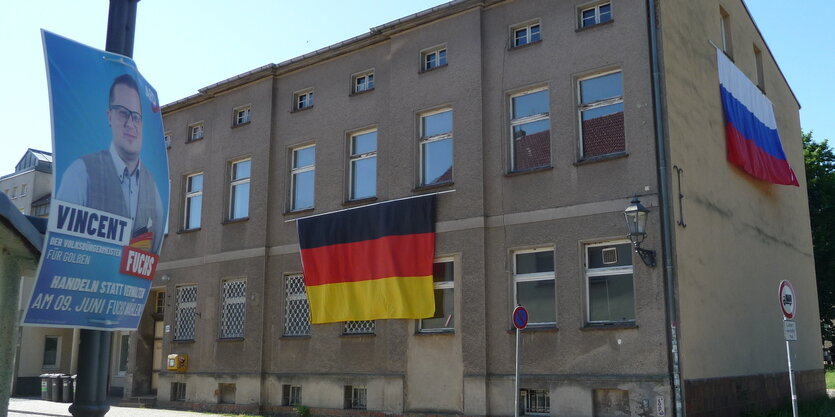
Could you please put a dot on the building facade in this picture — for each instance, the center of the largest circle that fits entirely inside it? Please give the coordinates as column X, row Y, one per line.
column 29, row 187
column 537, row 122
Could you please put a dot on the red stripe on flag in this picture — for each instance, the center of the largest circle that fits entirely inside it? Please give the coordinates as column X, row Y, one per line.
column 390, row 256
column 746, row 154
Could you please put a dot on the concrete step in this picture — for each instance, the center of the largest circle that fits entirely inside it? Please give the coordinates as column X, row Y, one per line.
column 138, row 402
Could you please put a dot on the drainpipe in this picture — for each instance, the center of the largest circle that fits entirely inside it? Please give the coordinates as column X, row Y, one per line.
column 666, row 209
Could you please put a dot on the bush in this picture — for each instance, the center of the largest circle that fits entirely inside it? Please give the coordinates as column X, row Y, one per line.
column 302, row 410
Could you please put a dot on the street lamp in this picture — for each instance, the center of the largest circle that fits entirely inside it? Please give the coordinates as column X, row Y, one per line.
column 636, row 223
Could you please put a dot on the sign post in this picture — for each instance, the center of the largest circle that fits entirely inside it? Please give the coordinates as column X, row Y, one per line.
column 520, row 321
column 788, row 306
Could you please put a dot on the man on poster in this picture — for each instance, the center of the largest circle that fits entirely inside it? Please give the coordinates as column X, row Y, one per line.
column 114, row 180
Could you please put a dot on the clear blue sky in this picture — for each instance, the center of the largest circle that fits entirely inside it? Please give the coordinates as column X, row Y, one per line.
column 184, row 45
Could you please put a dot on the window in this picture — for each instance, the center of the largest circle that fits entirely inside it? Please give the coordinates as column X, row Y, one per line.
column 525, row 34
column 296, row 309
column 23, row 190
column 530, row 130
column 433, row 58
column 124, row 348
column 51, row 352
column 359, row 327
column 758, row 62
column 239, row 189
column 594, row 15
column 291, row 395
column 303, row 99
column 185, row 320
column 533, row 278
column 14, row 192
column 534, row 401
column 609, row 277
column 195, row 132
column 725, row 32
column 194, row 201
column 356, row 398
column 601, row 115
column 363, row 81
column 302, row 176
column 167, row 138
column 363, row 165
column 436, row 147
column 160, row 302
column 242, row 115
column 443, row 277
column 178, row 391
column 227, row 393
column 233, row 309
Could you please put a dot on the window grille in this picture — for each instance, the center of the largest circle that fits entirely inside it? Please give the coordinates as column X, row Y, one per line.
column 184, row 325
column 296, row 309
column 291, row 395
column 359, row 327
column 356, row 398
column 178, row 391
column 233, row 314
column 535, row 401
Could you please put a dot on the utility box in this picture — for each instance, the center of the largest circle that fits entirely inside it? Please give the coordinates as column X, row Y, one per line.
column 177, row 362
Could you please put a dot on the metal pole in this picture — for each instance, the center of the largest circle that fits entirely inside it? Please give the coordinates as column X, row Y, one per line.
column 791, row 379
column 93, row 369
column 516, row 379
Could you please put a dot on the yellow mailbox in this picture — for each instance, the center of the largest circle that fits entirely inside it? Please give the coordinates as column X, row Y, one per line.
column 177, row 362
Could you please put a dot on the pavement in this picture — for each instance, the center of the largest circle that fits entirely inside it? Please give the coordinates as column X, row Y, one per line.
column 36, row 407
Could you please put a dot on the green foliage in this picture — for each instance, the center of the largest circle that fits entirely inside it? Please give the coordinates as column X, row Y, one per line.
column 830, row 378
column 820, row 178
column 302, row 410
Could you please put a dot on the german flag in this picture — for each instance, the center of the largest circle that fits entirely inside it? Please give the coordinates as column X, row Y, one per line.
column 373, row 262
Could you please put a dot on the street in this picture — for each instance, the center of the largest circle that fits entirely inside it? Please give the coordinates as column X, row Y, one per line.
column 32, row 406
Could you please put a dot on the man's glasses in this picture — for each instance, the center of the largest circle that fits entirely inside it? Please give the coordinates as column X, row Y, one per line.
column 124, row 114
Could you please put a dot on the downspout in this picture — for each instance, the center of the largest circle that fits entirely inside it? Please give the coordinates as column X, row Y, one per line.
column 666, row 209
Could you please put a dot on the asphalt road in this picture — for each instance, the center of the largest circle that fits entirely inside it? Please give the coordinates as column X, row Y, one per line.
column 35, row 407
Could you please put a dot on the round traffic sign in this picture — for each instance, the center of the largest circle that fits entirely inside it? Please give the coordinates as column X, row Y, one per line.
column 520, row 317
column 788, row 302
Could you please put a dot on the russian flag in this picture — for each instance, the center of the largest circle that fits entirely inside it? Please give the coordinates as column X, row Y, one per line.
column 751, row 136
column 372, row 262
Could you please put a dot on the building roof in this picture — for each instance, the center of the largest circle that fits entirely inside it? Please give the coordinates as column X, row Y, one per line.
column 28, row 241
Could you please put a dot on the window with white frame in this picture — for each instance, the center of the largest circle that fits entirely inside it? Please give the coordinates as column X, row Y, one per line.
column 194, row 201
column 303, row 99
column 359, row 327
column 443, row 281
column 601, row 114
column 291, row 395
column 363, row 81
column 534, row 402
column 167, row 139
column 533, row 279
column 14, row 192
column 363, row 165
column 356, row 398
column 302, row 176
column 185, row 317
column 23, row 190
column 124, row 349
column 243, row 115
column 239, row 177
column 433, row 58
column 725, row 32
column 233, row 309
column 530, row 130
column 436, row 147
column 526, row 33
column 610, row 287
column 51, row 352
column 296, row 308
column 195, row 132
column 594, row 15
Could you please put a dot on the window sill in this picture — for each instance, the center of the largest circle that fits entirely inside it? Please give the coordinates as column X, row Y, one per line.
column 424, row 71
column 359, row 93
column 514, row 48
column 236, row 125
column 421, row 188
column 230, row 339
column 299, row 211
column 537, row 328
column 300, row 337
column 615, row 325
column 357, row 335
column 193, row 140
column 183, row 341
column 238, row 220
column 439, row 332
column 359, row 202
column 529, row 171
column 601, row 158
column 596, row 25
column 182, row 231
column 295, row 110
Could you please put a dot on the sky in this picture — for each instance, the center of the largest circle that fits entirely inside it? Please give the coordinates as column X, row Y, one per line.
column 183, row 45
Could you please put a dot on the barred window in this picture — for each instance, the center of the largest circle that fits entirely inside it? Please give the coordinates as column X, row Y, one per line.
column 233, row 309
column 359, row 327
column 185, row 320
column 534, row 401
column 178, row 391
column 296, row 309
column 291, row 395
column 356, row 398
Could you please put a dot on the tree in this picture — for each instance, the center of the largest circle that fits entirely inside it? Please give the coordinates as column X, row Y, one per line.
column 820, row 184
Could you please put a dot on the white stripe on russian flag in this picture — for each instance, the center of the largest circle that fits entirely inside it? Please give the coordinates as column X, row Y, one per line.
column 735, row 81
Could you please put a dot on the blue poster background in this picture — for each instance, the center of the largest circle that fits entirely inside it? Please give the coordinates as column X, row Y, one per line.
column 79, row 284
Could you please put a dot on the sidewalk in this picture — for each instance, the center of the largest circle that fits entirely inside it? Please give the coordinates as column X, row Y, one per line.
column 35, row 407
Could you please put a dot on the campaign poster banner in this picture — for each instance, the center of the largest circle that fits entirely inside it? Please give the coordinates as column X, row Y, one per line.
column 109, row 195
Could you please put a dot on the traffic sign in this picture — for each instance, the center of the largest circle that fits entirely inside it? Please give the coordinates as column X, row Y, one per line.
column 788, row 301
column 520, row 317
column 790, row 330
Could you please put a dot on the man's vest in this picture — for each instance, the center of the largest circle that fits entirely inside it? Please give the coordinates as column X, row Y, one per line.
column 104, row 192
